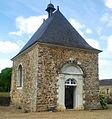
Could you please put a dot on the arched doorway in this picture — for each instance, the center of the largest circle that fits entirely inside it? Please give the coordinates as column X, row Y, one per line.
column 70, row 87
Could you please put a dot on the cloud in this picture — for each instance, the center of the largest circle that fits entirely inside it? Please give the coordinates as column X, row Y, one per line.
column 31, row 24
column 99, row 31
column 93, row 43
column 5, row 63
column 109, row 47
column 88, row 31
column 79, row 27
column 105, row 64
column 27, row 25
column 105, row 72
column 76, row 23
column 8, row 47
column 107, row 19
column 108, row 3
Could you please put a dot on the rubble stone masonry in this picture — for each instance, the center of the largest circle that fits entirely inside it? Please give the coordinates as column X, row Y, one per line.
column 41, row 63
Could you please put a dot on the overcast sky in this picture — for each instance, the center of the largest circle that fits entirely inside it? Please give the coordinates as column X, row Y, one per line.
column 19, row 19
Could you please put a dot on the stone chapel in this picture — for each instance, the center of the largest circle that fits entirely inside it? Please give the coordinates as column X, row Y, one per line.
column 56, row 69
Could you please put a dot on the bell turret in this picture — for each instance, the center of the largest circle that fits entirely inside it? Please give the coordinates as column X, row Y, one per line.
column 50, row 9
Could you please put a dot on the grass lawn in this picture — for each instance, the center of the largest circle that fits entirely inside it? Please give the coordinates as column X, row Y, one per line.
column 4, row 94
column 13, row 113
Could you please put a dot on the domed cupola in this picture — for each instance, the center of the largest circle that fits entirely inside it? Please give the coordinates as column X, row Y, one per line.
column 50, row 9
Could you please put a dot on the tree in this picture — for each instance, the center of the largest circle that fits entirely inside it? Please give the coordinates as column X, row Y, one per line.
column 5, row 79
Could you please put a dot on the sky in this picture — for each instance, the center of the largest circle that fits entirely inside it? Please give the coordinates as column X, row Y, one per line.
column 19, row 19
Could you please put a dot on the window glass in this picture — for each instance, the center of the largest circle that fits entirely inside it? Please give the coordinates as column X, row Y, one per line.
column 20, row 78
column 70, row 81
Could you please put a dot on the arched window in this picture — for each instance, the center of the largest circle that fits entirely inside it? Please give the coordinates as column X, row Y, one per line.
column 20, row 76
column 70, row 81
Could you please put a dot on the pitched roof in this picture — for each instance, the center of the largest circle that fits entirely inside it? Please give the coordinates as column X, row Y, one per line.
column 57, row 30
column 105, row 82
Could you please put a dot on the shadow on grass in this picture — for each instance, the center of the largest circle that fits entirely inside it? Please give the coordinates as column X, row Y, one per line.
column 4, row 99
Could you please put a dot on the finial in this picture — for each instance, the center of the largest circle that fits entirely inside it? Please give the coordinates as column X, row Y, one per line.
column 57, row 7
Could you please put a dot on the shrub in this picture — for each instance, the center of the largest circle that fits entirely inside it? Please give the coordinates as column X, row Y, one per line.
column 103, row 101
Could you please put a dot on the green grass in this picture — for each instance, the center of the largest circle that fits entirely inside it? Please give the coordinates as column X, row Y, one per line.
column 4, row 94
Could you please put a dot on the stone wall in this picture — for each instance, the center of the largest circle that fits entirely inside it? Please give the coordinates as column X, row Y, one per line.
column 25, row 97
column 40, row 66
column 51, row 58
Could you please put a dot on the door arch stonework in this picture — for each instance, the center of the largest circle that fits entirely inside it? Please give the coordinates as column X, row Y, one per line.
column 70, row 71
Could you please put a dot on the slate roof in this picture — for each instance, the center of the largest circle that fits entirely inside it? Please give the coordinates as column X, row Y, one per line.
column 57, row 30
column 105, row 82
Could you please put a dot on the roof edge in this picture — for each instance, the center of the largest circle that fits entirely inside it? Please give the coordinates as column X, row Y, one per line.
column 49, row 44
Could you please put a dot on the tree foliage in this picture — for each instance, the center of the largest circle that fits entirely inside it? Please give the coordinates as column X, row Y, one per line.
column 5, row 79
